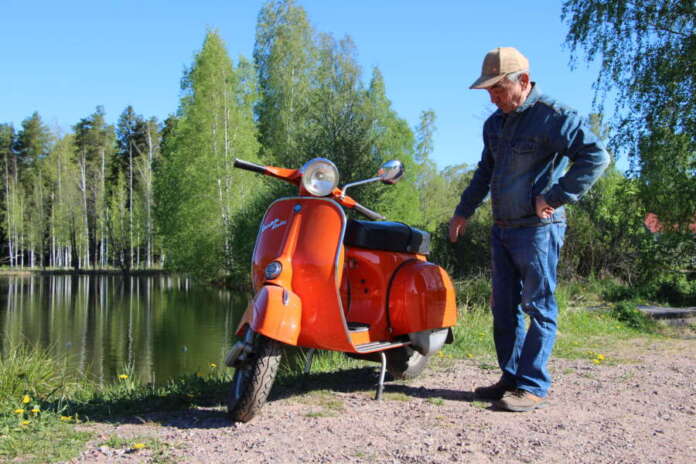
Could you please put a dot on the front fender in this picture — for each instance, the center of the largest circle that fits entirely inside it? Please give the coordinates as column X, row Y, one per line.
column 275, row 312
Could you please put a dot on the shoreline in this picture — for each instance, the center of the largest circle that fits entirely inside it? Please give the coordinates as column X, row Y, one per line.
column 134, row 273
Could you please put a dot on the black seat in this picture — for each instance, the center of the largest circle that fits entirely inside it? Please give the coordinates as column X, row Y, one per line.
column 387, row 236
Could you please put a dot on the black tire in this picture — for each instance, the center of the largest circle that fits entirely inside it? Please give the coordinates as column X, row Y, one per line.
column 252, row 383
column 405, row 362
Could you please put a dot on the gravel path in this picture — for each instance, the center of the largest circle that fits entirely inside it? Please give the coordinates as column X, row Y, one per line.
column 637, row 406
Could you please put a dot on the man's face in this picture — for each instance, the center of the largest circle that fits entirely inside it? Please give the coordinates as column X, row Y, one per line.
column 508, row 95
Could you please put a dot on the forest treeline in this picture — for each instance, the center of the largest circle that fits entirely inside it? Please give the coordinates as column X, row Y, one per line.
column 145, row 193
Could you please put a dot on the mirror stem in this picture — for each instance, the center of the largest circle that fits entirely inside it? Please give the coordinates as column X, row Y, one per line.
column 360, row 182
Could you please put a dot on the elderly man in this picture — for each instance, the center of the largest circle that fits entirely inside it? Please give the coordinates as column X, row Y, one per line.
column 528, row 144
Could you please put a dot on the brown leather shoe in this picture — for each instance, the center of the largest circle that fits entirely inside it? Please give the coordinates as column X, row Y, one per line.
column 492, row 392
column 520, row 400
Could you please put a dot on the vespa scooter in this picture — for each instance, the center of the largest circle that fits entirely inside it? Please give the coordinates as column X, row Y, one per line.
column 323, row 281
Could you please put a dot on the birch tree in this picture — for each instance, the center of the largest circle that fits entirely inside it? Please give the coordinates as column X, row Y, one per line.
column 286, row 59
column 198, row 191
column 94, row 140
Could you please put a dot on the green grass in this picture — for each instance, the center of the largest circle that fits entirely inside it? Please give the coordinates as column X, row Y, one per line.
column 436, row 401
column 580, row 331
column 41, row 401
column 63, row 398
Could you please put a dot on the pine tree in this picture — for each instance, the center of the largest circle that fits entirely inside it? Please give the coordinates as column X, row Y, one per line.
column 31, row 148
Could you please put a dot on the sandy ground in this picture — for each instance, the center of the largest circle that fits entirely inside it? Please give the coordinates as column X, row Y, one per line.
column 637, row 406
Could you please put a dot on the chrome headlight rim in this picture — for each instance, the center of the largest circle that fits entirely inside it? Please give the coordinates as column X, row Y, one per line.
column 324, row 186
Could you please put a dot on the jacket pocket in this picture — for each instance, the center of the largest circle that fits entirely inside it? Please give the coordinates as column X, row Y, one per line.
column 525, row 147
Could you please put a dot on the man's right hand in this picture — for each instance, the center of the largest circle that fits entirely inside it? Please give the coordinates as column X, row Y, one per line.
column 457, row 226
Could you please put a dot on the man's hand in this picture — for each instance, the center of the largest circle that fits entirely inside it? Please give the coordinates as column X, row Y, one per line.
column 543, row 210
column 457, row 226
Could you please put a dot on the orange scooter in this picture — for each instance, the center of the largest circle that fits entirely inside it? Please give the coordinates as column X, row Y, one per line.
column 323, row 281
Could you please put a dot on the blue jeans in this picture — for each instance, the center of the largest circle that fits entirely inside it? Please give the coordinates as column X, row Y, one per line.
column 524, row 280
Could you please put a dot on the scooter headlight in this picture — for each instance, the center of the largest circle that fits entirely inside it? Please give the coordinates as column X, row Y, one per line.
column 319, row 177
column 273, row 270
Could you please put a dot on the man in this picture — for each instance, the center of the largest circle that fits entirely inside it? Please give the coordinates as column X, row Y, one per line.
column 528, row 144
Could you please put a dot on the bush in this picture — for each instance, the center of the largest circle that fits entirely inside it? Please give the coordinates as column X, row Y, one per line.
column 628, row 313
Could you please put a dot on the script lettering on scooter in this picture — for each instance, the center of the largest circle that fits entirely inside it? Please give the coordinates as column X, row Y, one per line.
column 273, row 225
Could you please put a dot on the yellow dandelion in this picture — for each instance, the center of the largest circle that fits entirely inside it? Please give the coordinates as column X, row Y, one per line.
column 26, row 422
column 123, row 376
column 600, row 357
column 596, row 361
column 66, row 418
column 19, row 411
column 36, row 410
column 212, row 365
column 139, row 446
column 26, row 399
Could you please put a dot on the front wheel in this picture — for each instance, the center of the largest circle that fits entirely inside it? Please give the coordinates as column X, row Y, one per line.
column 252, row 382
column 405, row 362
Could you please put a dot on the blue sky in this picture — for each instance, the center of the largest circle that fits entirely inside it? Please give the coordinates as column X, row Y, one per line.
column 63, row 59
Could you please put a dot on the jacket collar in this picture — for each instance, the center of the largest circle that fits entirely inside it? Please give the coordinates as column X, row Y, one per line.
column 532, row 98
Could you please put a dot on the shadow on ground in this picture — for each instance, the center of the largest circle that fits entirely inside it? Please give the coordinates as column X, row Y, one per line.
column 204, row 406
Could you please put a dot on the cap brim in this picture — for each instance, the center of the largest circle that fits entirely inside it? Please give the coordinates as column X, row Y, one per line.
column 484, row 82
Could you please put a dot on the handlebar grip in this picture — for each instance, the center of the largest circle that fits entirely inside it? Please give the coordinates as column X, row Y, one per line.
column 374, row 215
column 241, row 164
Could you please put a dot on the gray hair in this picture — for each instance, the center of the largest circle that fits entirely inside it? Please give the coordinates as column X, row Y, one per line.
column 515, row 76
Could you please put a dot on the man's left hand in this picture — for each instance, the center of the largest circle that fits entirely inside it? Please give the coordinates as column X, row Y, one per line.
column 543, row 209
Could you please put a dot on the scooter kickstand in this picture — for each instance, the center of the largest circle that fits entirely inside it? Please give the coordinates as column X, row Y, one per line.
column 308, row 361
column 382, row 372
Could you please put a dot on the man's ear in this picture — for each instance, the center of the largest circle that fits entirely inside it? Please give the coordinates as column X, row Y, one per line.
column 524, row 80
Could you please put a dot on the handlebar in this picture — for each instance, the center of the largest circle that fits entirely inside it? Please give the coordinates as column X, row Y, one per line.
column 241, row 164
column 294, row 175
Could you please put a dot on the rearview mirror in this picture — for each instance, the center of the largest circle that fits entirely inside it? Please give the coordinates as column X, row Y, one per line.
column 391, row 172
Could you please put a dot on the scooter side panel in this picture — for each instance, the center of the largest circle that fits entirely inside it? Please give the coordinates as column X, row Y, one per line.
column 367, row 275
column 421, row 297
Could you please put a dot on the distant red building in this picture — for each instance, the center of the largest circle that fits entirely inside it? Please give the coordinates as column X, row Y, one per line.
column 652, row 223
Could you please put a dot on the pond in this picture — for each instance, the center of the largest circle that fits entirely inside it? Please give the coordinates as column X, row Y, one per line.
column 156, row 327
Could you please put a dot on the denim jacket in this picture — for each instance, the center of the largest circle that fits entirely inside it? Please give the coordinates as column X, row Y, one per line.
column 526, row 153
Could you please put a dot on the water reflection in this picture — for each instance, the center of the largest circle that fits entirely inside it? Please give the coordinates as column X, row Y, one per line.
column 161, row 326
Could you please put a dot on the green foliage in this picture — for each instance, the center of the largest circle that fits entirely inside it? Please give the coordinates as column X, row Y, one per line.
column 286, row 60
column 470, row 256
column 605, row 231
column 198, row 191
column 647, row 51
column 33, row 141
column 628, row 313
column 669, row 289
column 313, row 103
column 94, row 146
column 118, row 223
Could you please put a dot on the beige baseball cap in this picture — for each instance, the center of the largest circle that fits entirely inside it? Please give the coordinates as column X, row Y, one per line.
column 499, row 62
